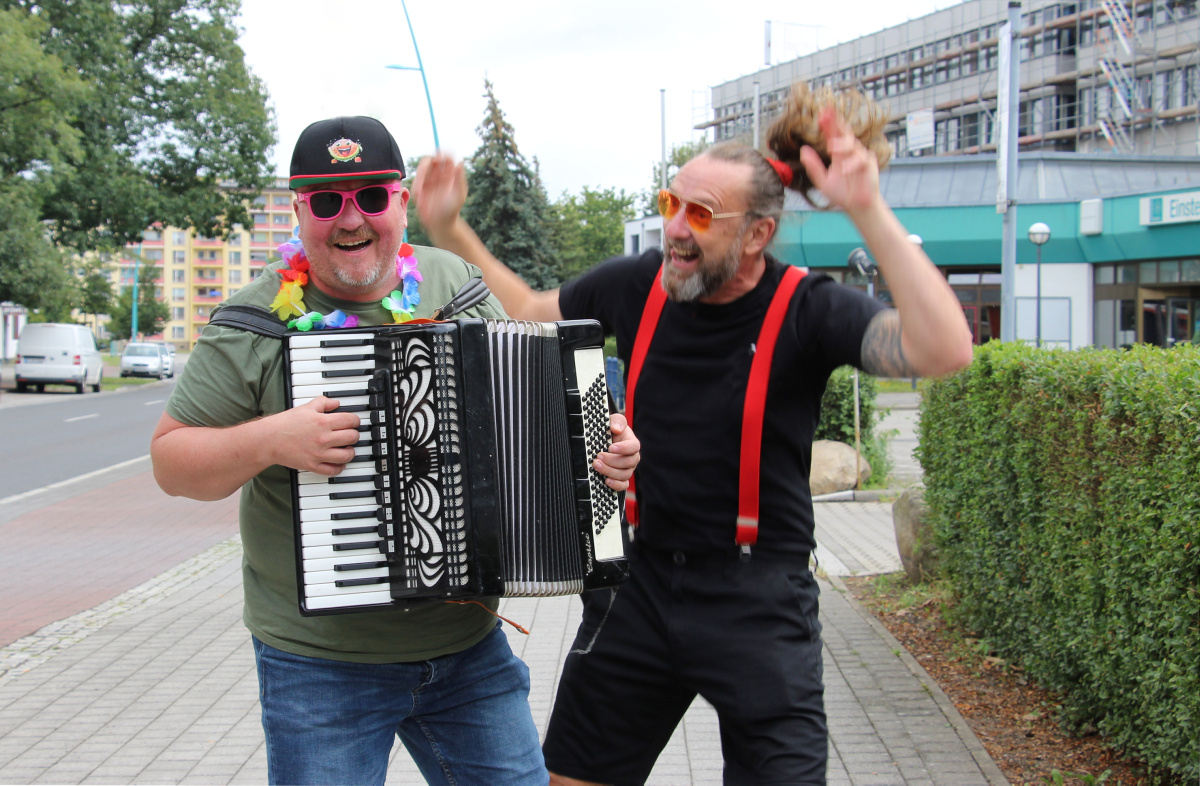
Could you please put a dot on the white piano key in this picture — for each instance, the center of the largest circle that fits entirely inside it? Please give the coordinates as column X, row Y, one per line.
column 329, row 539
column 326, row 514
column 352, row 470
column 343, row 401
column 327, row 552
column 316, row 353
column 323, row 564
column 315, row 490
column 348, row 599
column 315, row 378
column 330, row 576
column 316, row 339
column 309, row 366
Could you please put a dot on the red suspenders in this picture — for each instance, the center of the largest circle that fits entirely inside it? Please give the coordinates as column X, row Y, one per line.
column 756, row 396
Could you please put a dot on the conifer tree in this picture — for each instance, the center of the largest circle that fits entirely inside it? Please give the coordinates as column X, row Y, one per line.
column 507, row 206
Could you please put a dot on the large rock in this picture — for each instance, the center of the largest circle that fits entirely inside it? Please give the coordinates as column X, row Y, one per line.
column 914, row 536
column 835, row 467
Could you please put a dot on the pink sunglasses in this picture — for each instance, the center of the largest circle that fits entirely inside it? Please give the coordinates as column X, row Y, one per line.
column 370, row 200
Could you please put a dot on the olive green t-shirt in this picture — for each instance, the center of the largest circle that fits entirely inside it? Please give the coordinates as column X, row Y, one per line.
column 233, row 376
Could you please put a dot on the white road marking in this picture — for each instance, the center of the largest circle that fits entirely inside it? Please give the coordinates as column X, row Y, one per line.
column 81, row 417
column 69, row 481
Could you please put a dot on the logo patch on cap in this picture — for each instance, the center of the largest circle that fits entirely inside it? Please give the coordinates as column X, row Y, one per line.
column 345, row 150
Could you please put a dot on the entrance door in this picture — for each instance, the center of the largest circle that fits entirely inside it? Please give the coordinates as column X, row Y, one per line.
column 1181, row 315
column 972, row 315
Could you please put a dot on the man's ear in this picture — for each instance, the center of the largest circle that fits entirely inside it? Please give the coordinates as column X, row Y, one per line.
column 758, row 236
column 404, row 196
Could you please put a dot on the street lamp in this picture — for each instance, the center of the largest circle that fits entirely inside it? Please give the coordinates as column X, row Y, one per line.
column 1039, row 233
column 860, row 261
column 421, row 68
column 916, row 240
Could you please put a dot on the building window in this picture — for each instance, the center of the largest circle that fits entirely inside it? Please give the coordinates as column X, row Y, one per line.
column 283, row 200
column 260, row 218
column 282, row 219
column 177, row 293
column 260, row 201
column 179, row 276
column 235, row 239
column 281, row 237
column 176, row 313
column 235, row 276
column 235, row 257
column 255, row 272
column 258, row 256
column 152, row 235
column 179, row 257
column 152, row 254
column 179, row 238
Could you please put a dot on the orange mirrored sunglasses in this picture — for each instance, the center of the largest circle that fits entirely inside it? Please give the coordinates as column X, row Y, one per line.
column 698, row 216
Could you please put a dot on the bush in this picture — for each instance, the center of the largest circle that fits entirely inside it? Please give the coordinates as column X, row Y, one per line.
column 837, row 420
column 1065, row 490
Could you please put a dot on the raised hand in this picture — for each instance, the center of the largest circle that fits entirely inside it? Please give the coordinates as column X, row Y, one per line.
column 440, row 189
column 851, row 181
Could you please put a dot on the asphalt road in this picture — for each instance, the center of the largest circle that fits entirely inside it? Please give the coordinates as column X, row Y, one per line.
column 51, row 437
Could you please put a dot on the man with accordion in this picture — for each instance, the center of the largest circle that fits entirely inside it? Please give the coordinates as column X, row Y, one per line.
column 727, row 354
column 336, row 688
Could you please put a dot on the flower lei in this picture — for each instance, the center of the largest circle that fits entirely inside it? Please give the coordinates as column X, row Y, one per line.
column 289, row 300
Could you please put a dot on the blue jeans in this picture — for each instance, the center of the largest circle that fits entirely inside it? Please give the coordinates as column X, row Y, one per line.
column 464, row 718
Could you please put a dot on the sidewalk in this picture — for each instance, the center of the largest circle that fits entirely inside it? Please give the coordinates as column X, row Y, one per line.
column 158, row 684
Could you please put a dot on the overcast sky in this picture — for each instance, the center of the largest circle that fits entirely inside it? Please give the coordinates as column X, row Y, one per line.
column 581, row 87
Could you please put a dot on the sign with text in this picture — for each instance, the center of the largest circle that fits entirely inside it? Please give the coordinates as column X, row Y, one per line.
column 1170, row 208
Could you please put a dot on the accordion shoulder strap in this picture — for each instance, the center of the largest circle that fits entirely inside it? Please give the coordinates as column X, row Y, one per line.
column 755, row 404
column 254, row 319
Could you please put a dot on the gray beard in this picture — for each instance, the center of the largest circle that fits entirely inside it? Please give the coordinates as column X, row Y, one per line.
column 707, row 278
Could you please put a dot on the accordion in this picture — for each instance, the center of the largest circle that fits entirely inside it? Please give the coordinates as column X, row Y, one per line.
column 473, row 476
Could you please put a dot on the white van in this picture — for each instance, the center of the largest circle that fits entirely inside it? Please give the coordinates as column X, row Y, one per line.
column 49, row 353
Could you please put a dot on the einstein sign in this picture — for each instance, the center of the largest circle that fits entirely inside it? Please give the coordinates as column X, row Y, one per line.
column 1170, row 208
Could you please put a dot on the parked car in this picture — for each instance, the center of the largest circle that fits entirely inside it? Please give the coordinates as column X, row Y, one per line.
column 168, row 358
column 145, row 359
column 52, row 353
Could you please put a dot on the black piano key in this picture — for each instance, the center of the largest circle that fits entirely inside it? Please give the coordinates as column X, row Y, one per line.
column 353, row 479
column 345, row 393
column 361, row 565
column 346, row 358
column 347, row 372
column 355, row 530
column 360, row 582
column 329, row 343
column 378, row 515
column 371, row 544
column 353, row 494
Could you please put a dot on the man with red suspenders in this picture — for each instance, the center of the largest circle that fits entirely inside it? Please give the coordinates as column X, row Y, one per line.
column 728, row 352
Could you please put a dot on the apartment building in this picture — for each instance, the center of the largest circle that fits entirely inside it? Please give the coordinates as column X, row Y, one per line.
column 1095, row 76
column 1109, row 159
column 196, row 273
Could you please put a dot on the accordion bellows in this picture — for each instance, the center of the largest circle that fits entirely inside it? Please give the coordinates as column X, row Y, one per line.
column 473, row 477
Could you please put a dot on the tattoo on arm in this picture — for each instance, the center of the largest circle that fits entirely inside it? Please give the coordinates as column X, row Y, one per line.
column 882, row 353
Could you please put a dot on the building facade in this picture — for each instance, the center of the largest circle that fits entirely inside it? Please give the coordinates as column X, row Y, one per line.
column 197, row 273
column 1109, row 128
column 1095, row 76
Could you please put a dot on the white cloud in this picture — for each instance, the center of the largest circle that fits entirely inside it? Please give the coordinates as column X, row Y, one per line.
column 581, row 87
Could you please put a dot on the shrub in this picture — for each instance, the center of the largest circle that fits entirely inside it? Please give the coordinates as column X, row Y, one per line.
column 1065, row 490
column 837, row 420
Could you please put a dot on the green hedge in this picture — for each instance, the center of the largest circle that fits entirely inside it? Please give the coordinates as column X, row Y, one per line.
column 1065, row 489
column 837, row 421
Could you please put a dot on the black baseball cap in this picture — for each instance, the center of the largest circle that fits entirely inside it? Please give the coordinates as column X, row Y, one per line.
column 345, row 148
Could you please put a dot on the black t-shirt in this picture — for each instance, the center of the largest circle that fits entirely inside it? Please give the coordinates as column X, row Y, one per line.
column 692, row 389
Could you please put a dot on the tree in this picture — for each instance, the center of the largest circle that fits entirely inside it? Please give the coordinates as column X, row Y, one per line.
column 416, row 231
column 507, row 205
column 152, row 312
column 95, row 291
column 679, row 155
column 159, row 122
column 37, row 93
column 589, row 228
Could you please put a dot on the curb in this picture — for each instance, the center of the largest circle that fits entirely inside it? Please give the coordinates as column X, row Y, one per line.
column 978, row 753
column 861, row 495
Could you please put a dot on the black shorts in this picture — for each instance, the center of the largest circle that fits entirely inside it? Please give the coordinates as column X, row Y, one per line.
column 744, row 635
